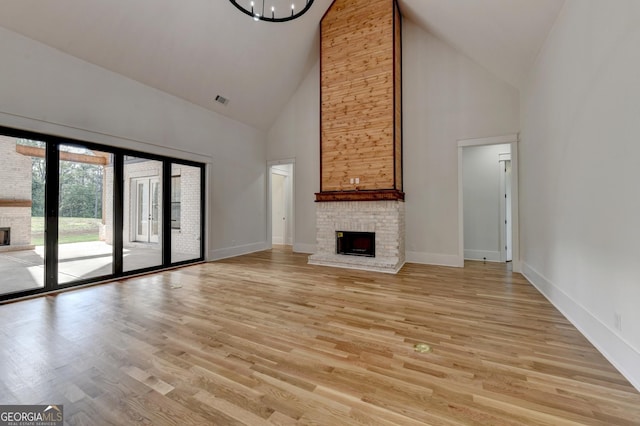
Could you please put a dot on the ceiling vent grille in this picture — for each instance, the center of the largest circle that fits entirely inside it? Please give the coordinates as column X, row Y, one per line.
column 222, row 100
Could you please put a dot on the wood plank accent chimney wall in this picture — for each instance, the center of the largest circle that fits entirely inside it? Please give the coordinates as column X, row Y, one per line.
column 361, row 105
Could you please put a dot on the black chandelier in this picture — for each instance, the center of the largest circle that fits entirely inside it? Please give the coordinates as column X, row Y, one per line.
column 273, row 10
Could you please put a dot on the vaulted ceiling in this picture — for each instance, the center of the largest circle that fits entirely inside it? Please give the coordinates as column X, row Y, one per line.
column 198, row 49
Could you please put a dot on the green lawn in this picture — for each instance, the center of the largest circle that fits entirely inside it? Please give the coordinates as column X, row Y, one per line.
column 70, row 230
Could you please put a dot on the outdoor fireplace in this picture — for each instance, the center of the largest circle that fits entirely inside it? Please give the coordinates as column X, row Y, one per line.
column 356, row 243
column 5, row 236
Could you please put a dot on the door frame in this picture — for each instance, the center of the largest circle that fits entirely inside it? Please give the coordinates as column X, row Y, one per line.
column 513, row 140
column 290, row 200
column 506, row 246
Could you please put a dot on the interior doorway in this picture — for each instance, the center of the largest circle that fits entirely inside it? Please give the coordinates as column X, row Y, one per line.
column 485, row 206
column 281, row 203
column 487, row 196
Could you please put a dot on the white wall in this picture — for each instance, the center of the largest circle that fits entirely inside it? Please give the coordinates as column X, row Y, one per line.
column 482, row 196
column 45, row 90
column 296, row 134
column 447, row 97
column 579, row 172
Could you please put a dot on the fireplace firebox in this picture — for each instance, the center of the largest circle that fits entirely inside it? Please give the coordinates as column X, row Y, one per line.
column 5, row 236
column 356, row 243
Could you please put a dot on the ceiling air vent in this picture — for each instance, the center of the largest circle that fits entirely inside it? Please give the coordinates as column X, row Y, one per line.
column 222, row 100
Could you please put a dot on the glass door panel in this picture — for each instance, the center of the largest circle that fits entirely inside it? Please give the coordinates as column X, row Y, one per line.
column 186, row 198
column 22, row 181
column 85, row 234
column 142, row 231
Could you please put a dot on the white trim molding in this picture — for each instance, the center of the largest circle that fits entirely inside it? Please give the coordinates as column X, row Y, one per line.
column 58, row 129
column 486, row 255
column 304, row 248
column 434, row 259
column 624, row 357
column 227, row 252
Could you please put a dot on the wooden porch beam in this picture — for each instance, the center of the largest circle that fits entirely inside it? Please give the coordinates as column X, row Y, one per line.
column 15, row 203
column 34, row 151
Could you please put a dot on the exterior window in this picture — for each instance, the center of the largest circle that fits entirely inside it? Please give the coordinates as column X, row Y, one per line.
column 175, row 202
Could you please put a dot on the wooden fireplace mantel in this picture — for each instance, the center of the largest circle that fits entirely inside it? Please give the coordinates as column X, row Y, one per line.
column 369, row 195
column 15, row 203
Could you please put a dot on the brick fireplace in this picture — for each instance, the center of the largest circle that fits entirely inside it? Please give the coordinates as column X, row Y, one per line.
column 383, row 218
column 361, row 134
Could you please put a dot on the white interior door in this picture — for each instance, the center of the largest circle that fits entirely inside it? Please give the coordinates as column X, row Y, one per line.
column 281, row 203
column 506, row 238
column 508, row 224
column 278, row 209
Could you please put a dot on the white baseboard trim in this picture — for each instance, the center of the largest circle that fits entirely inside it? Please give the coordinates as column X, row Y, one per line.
column 489, row 256
column 277, row 240
column 434, row 259
column 304, row 248
column 615, row 349
column 227, row 252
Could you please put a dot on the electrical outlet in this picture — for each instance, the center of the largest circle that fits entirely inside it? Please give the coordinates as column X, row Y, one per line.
column 351, row 181
column 357, row 181
column 617, row 321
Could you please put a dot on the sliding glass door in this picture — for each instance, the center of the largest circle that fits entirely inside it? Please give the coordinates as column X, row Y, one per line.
column 74, row 212
column 142, row 230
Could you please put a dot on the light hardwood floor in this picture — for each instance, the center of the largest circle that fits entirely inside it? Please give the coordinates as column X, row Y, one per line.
column 268, row 339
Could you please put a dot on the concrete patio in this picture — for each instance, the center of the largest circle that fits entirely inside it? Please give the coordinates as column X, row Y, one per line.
column 24, row 269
